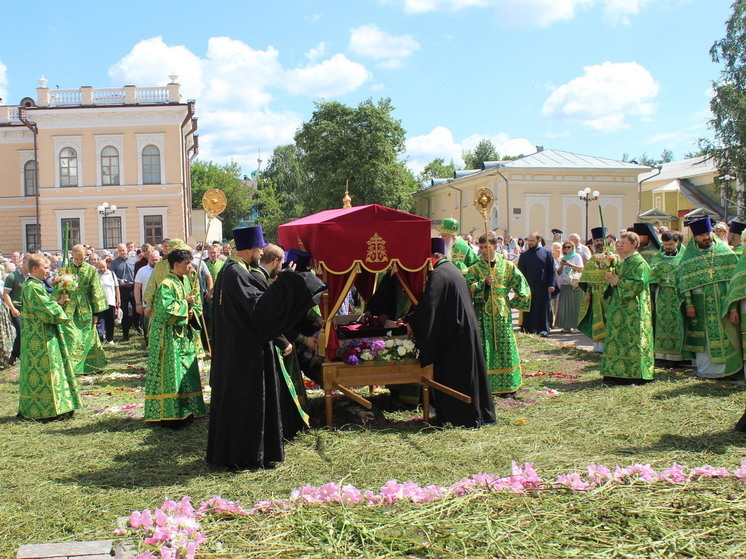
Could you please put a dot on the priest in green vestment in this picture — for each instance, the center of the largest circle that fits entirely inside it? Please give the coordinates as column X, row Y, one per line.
column 490, row 282
column 735, row 230
column 705, row 272
column 86, row 300
column 667, row 300
column 595, row 302
column 628, row 349
column 173, row 390
column 47, row 384
column 459, row 252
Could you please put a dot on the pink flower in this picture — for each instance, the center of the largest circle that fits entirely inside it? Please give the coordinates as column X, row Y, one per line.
column 598, row 474
column 675, row 474
column 574, row 482
column 740, row 473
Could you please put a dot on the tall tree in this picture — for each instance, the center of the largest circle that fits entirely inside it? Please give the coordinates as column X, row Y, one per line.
column 361, row 145
column 728, row 105
column 228, row 178
column 484, row 151
column 437, row 169
column 288, row 179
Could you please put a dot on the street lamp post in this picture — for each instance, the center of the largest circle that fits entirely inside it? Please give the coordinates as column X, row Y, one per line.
column 106, row 210
column 726, row 178
column 587, row 196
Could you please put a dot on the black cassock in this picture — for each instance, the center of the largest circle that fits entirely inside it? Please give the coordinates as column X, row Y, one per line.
column 245, row 415
column 537, row 265
column 447, row 334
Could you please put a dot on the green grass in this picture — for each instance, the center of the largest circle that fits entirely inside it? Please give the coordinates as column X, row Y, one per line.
column 69, row 481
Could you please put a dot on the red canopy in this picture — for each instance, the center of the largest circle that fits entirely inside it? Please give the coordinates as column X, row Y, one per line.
column 350, row 245
column 372, row 235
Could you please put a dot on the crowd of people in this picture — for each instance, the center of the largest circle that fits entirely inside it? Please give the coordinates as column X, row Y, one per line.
column 640, row 296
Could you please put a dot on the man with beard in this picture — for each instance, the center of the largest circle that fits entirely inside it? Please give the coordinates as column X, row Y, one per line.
column 458, row 250
column 704, row 275
column 735, row 229
column 628, row 347
column 667, row 300
column 537, row 266
column 594, row 304
column 490, row 281
column 245, row 430
column 649, row 242
column 446, row 332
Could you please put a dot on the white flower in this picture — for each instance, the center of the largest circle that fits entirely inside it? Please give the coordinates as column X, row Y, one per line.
column 390, row 343
column 366, row 355
column 409, row 345
column 401, row 350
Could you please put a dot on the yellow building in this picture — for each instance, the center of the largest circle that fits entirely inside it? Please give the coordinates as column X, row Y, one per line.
column 538, row 192
column 683, row 190
column 68, row 152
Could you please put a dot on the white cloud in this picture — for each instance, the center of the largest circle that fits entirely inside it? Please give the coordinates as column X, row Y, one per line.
column 4, row 84
column 370, row 42
column 329, row 78
column 316, row 52
column 422, row 149
column 604, row 96
column 234, row 85
column 531, row 13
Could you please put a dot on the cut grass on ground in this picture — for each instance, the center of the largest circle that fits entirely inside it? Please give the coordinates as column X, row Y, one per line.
column 69, row 481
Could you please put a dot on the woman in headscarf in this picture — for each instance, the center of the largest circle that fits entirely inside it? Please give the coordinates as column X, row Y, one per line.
column 570, row 264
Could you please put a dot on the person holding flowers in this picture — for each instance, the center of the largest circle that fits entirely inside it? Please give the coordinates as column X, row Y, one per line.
column 628, row 349
column 490, row 282
column 79, row 281
column 48, row 389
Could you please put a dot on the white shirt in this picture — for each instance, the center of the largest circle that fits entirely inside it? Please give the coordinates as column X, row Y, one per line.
column 142, row 277
column 583, row 251
column 109, row 284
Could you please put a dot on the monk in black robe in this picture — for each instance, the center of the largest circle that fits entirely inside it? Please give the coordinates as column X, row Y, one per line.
column 446, row 333
column 537, row 265
column 245, row 415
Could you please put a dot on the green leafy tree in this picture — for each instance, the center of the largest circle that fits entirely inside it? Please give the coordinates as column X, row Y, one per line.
column 228, row 178
column 484, row 151
column 728, row 104
column 269, row 209
column 645, row 159
column 286, row 176
column 437, row 169
column 361, row 145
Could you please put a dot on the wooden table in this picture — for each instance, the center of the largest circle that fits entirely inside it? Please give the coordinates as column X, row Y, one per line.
column 337, row 375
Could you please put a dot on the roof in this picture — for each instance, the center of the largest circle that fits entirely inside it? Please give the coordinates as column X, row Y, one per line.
column 683, row 169
column 556, row 159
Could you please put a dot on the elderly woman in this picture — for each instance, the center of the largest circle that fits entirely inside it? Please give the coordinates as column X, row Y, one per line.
column 568, row 271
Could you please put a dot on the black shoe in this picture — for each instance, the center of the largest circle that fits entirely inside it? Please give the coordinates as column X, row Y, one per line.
column 126, row 338
column 507, row 395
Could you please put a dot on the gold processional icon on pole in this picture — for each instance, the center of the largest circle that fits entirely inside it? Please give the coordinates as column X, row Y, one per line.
column 483, row 202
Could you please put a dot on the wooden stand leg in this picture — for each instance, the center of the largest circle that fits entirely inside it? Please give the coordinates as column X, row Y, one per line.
column 328, row 402
column 426, row 403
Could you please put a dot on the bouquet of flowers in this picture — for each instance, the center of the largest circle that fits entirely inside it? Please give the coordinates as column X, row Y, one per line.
column 366, row 349
column 65, row 281
column 607, row 259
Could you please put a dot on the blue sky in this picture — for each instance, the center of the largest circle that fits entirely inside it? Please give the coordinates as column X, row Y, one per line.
column 597, row 77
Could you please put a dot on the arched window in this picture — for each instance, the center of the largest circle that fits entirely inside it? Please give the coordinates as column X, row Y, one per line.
column 151, row 165
column 29, row 178
column 68, row 167
column 109, row 166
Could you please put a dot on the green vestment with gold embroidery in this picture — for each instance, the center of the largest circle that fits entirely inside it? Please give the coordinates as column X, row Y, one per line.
column 81, row 336
column 595, row 302
column 494, row 312
column 47, row 383
column 173, row 389
column 629, row 345
column 649, row 252
column 462, row 256
column 737, row 293
column 704, row 277
column 668, row 302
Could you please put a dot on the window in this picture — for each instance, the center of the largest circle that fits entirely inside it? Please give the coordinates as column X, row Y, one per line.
column 153, row 225
column 109, row 166
column 151, row 165
column 112, row 231
column 32, row 237
column 68, row 167
column 74, row 230
column 29, row 178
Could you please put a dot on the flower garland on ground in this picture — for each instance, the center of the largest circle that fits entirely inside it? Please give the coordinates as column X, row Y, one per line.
column 367, row 349
column 173, row 531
